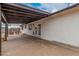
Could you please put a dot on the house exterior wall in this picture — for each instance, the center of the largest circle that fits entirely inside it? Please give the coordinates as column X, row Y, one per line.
column 62, row 27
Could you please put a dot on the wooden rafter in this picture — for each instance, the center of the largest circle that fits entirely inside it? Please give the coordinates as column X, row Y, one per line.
column 20, row 12
column 22, row 7
column 20, row 15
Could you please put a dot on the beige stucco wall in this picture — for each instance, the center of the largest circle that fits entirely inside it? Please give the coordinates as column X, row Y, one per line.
column 62, row 27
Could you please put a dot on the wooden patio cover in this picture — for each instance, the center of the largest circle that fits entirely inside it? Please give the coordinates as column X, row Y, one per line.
column 17, row 13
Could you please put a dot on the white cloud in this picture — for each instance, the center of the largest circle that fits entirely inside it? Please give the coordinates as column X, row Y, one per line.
column 54, row 10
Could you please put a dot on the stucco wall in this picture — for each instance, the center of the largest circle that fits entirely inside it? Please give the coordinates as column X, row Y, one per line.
column 63, row 27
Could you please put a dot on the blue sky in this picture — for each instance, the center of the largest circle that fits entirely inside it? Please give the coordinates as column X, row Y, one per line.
column 49, row 7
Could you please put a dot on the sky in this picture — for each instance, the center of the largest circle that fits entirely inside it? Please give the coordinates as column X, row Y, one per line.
column 48, row 7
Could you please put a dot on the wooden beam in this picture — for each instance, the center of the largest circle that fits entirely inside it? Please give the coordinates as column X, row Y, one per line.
column 10, row 5
column 19, row 15
column 20, row 12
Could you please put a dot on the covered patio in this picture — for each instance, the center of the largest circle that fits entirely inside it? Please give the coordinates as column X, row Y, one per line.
column 23, row 44
column 18, row 14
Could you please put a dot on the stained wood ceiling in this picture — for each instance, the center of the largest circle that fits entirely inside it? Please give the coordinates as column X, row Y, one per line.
column 15, row 14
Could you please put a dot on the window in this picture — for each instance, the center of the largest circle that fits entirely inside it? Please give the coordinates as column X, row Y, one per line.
column 30, row 26
column 39, row 29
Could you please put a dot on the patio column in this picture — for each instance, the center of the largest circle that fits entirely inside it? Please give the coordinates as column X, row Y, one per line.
column 0, row 29
column 0, row 36
column 6, row 26
column 6, row 31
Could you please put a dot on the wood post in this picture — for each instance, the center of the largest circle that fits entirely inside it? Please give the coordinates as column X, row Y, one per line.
column 0, row 29
column 0, row 37
column 6, row 31
column 6, row 26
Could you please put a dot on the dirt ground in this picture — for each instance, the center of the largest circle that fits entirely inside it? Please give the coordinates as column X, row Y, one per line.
column 24, row 45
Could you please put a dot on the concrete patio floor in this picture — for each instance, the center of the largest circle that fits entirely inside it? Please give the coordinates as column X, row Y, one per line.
column 24, row 45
